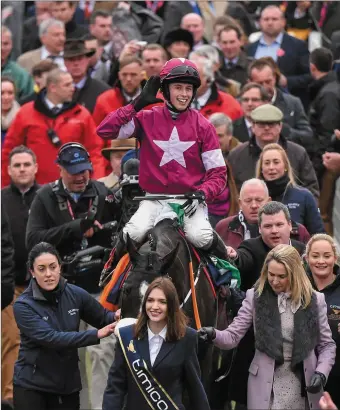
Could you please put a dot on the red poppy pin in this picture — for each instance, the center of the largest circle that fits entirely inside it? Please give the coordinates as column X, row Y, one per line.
column 280, row 52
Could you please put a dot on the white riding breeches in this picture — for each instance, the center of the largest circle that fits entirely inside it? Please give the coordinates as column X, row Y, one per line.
column 197, row 228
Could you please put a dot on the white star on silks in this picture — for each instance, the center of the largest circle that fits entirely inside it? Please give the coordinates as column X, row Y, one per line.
column 173, row 148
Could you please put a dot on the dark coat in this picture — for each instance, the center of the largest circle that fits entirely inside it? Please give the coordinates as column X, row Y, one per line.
column 50, row 337
column 173, row 14
column 294, row 64
column 87, row 96
column 232, row 232
column 7, row 260
column 243, row 161
column 302, row 208
column 75, row 30
column 48, row 223
column 296, row 127
column 324, row 113
column 331, row 23
column 332, row 297
column 30, row 35
column 251, row 256
column 17, row 206
column 176, row 368
column 240, row 130
column 239, row 72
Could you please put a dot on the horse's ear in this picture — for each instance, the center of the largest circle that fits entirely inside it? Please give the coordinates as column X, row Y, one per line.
column 169, row 259
column 132, row 250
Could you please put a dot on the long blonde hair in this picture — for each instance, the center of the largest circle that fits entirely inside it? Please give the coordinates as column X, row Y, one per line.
column 288, row 167
column 300, row 286
column 323, row 237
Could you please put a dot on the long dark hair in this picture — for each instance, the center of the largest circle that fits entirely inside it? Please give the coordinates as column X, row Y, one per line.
column 176, row 319
column 39, row 249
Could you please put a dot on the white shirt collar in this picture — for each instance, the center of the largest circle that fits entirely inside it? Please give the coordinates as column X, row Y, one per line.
column 162, row 333
column 50, row 104
column 81, row 83
column 108, row 47
column 203, row 99
column 129, row 98
column 45, row 53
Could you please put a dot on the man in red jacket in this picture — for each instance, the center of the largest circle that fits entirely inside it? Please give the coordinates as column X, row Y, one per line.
column 48, row 122
column 209, row 98
column 179, row 154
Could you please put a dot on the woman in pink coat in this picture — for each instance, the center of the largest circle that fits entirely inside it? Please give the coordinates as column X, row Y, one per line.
column 294, row 347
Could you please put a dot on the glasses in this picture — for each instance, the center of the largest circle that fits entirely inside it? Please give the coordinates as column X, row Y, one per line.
column 266, row 124
column 246, row 99
column 182, row 70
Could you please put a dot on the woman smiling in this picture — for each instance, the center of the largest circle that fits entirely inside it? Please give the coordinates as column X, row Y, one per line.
column 156, row 359
column 323, row 259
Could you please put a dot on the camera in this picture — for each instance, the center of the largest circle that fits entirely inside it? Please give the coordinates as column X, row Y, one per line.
column 53, row 136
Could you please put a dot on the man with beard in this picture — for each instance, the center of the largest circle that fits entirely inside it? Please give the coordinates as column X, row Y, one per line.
column 275, row 228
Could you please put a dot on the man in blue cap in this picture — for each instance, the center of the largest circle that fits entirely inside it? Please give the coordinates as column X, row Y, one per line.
column 69, row 213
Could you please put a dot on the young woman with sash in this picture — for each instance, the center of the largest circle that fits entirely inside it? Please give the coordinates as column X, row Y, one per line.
column 156, row 358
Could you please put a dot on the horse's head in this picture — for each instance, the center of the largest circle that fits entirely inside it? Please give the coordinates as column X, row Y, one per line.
column 147, row 265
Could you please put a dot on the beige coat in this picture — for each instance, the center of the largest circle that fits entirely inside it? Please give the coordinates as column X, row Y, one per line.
column 29, row 59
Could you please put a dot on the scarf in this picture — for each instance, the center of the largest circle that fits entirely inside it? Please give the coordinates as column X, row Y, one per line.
column 277, row 187
column 268, row 334
column 250, row 230
column 52, row 296
column 7, row 119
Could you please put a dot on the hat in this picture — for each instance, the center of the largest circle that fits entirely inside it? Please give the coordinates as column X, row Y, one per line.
column 179, row 34
column 76, row 48
column 266, row 113
column 74, row 158
column 119, row 145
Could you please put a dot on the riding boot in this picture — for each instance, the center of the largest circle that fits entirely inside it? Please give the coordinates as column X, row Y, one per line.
column 217, row 247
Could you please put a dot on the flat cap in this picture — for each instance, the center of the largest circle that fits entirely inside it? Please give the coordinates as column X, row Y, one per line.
column 266, row 113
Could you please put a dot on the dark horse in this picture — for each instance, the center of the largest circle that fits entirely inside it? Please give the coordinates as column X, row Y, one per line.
column 167, row 253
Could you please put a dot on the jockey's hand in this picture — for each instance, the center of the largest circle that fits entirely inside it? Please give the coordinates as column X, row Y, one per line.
column 317, row 383
column 148, row 94
column 207, row 334
column 195, row 199
column 326, row 402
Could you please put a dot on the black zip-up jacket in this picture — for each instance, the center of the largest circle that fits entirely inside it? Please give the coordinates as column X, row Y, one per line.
column 48, row 223
column 50, row 337
column 17, row 206
column 7, row 264
column 332, row 298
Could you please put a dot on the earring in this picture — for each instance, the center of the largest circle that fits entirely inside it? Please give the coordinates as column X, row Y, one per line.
column 33, row 277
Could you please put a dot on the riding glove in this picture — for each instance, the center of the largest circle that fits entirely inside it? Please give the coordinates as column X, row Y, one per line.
column 195, row 199
column 207, row 334
column 148, row 94
column 317, row 383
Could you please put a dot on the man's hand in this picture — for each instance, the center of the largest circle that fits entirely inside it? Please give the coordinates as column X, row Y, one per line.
column 130, row 49
column 337, row 134
column 326, row 402
column 231, row 252
column 331, row 161
column 106, row 331
column 90, row 232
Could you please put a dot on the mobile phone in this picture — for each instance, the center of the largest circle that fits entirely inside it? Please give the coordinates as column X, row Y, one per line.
column 142, row 44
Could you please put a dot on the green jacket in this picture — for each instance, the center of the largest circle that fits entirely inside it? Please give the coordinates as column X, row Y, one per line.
column 23, row 81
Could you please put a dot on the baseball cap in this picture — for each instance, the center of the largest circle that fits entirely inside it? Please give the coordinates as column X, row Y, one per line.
column 74, row 158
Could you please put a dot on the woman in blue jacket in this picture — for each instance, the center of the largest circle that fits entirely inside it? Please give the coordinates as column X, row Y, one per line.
column 48, row 313
column 274, row 168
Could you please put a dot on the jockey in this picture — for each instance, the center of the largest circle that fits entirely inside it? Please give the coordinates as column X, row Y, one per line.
column 179, row 154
